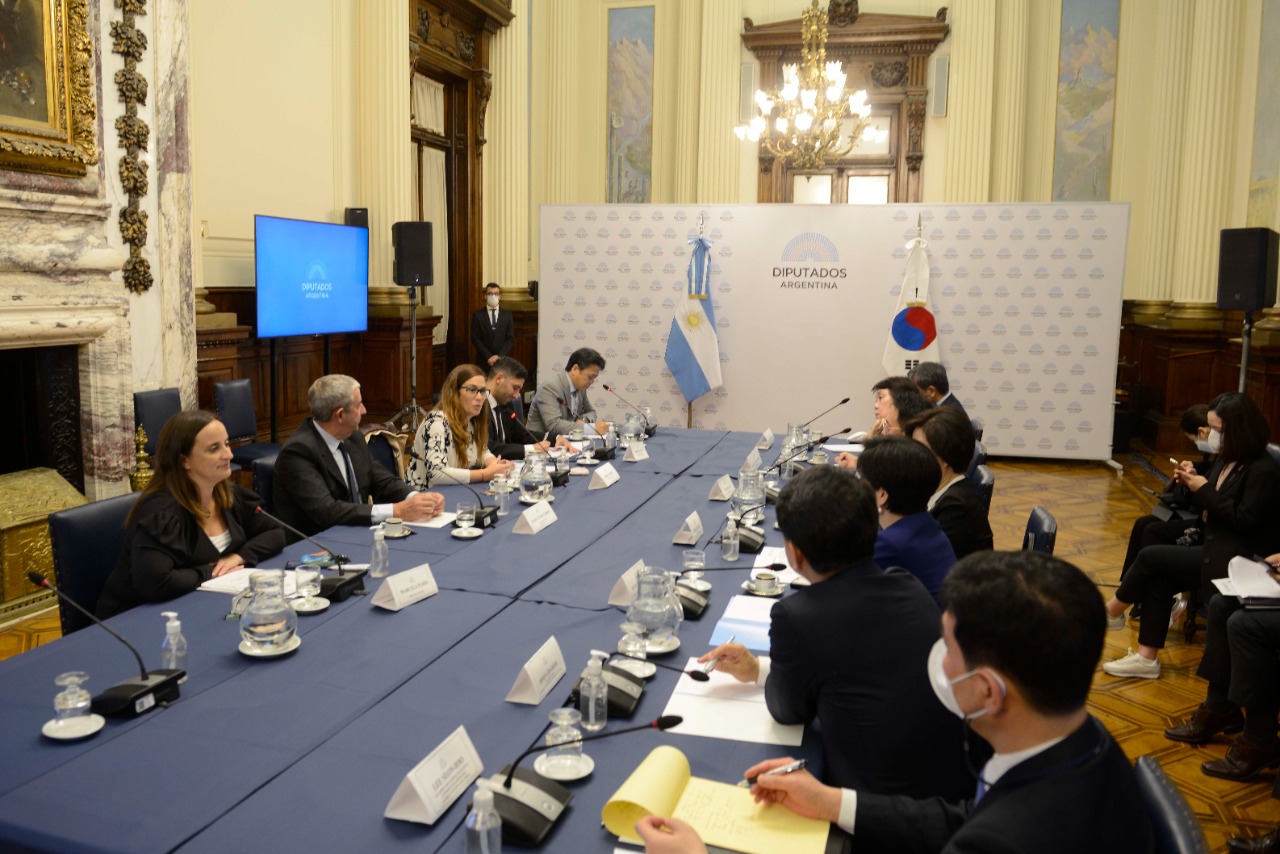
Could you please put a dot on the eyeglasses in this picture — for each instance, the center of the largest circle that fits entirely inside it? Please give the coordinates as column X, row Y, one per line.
column 482, row 391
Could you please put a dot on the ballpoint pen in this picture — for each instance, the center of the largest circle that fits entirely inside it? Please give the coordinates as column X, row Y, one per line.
column 789, row 768
column 708, row 666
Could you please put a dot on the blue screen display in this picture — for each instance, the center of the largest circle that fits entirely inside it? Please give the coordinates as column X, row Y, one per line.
column 313, row 277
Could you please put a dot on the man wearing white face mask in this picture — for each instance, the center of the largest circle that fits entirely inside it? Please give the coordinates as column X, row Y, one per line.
column 493, row 329
column 1021, row 635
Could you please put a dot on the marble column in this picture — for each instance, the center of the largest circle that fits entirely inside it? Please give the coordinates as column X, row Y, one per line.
column 1009, row 107
column 718, row 147
column 1207, row 165
column 1153, row 286
column 969, row 138
column 687, row 112
column 506, row 159
column 561, row 156
column 385, row 174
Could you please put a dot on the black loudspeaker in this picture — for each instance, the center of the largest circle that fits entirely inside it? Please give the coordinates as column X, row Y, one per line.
column 1247, row 268
column 357, row 216
column 412, row 243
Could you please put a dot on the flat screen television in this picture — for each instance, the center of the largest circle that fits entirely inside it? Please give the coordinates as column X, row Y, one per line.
column 312, row 277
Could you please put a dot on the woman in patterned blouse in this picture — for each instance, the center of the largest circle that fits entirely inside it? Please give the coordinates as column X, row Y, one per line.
column 452, row 443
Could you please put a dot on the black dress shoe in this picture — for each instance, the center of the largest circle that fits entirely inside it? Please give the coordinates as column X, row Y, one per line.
column 1205, row 724
column 1243, row 761
column 1269, row 844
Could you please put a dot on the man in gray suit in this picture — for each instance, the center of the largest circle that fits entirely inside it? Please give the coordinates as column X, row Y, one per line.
column 562, row 400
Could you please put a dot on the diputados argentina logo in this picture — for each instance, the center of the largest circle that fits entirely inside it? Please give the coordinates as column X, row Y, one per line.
column 810, row 262
column 316, row 285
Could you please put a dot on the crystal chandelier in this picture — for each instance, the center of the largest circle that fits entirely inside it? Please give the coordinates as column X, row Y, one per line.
column 804, row 121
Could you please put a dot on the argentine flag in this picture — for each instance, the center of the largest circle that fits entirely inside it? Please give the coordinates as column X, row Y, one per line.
column 693, row 348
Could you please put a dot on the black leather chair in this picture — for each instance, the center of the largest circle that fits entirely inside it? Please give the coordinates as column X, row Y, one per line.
column 1173, row 823
column 977, row 428
column 1042, row 532
column 152, row 409
column 264, row 472
column 381, row 449
column 235, row 409
column 979, row 459
column 86, row 543
column 986, row 485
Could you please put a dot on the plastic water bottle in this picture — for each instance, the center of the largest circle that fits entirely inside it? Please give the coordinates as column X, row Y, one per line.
column 593, row 698
column 483, row 826
column 378, row 560
column 173, row 650
column 729, row 542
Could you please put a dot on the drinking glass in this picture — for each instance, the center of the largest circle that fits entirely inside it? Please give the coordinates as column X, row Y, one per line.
column 72, row 702
column 466, row 519
column 308, row 581
column 566, row 760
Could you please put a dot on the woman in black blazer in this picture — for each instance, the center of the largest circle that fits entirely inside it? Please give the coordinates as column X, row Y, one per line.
column 957, row 505
column 1238, row 501
column 191, row 523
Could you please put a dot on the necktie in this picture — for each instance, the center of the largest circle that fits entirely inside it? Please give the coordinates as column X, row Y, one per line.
column 352, row 489
column 493, row 318
column 983, row 788
column 497, row 426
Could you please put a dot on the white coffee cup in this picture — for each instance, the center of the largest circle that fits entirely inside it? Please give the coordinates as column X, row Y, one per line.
column 766, row 582
column 393, row 527
column 576, row 433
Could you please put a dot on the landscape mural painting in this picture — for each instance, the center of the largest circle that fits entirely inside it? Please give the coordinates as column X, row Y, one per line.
column 630, row 101
column 1266, row 124
column 1086, row 100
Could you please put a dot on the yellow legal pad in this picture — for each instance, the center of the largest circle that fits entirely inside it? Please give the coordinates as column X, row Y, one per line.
column 725, row 816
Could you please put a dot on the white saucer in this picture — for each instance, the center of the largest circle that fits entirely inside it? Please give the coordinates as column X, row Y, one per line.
column 634, row 666
column 319, row 604
column 588, row 461
column 288, row 647
column 671, row 644
column 404, row 532
column 750, row 588
column 543, row 762
column 70, row 730
column 466, row 533
column 524, row 500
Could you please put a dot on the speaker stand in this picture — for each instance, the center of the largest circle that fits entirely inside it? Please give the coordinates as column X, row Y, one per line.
column 411, row 410
column 1245, row 335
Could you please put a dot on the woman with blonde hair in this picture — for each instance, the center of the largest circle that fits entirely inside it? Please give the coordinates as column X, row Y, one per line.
column 452, row 444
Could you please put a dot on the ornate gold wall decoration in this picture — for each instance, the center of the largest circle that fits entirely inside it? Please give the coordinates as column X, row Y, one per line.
column 134, row 136
column 47, row 111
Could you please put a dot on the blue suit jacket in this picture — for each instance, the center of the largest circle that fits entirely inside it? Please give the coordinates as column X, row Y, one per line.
column 917, row 544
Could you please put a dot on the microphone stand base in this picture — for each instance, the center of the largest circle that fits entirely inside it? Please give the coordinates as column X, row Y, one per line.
column 486, row 517
column 650, row 430
column 530, row 808
column 138, row 696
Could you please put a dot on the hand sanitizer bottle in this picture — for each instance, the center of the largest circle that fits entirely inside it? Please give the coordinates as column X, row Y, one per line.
column 483, row 826
column 729, row 542
column 173, row 651
column 378, row 560
column 593, row 697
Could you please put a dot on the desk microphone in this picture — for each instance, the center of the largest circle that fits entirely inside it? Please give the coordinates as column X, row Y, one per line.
column 529, row 803
column 132, row 697
column 819, row 415
column 486, row 515
column 335, row 560
column 774, row 567
column 805, row 448
column 649, row 429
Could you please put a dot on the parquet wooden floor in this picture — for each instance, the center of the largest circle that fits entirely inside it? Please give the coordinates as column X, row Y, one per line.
column 1095, row 508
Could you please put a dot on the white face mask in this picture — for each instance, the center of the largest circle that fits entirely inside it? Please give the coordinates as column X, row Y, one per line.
column 1214, row 442
column 492, row 300
column 942, row 686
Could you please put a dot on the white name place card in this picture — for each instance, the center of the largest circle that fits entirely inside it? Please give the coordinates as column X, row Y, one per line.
column 539, row 675
column 624, row 589
column 437, row 781
column 690, row 532
column 753, row 460
column 722, row 489
column 603, row 477
column 535, row 518
column 766, row 441
column 404, row 588
column 636, row 452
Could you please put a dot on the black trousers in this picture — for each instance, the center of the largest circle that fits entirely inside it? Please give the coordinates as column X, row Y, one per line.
column 1242, row 659
column 1150, row 531
column 1157, row 575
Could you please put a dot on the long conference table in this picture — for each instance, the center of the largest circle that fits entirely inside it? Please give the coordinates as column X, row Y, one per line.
column 303, row 752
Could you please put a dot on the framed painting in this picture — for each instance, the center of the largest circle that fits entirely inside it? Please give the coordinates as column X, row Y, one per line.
column 630, row 101
column 47, row 112
column 1086, row 100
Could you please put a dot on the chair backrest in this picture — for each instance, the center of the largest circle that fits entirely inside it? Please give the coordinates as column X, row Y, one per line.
column 152, row 409
column 386, row 452
column 979, row 459
column 1274, row 451
column 264, row 472
column 1042, row 532
column 986, row 485
column 1173, row 824
column 86, row 543
column 977, row 428
column 235, row 409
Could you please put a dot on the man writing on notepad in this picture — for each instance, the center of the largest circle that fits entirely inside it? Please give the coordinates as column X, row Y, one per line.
column 1021, row 635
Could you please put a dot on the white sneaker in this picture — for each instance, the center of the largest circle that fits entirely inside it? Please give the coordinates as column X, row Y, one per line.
column 1115, row 624
column 1134, row 665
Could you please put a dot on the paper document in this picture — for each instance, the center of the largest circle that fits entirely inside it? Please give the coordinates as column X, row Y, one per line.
column 850, row 448
column 724, row 815
column 238, row 580
column 1253, row 579
column 777, row 554
column 748, row 618
column 437, row 522
column 723, row 707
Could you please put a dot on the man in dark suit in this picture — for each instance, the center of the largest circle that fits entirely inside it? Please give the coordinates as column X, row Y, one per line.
column 562, row 400
column 931, row 379
column 325, row 475
column 493, row 329
column 1021, row 635
column 508, row 437
column 851, row 649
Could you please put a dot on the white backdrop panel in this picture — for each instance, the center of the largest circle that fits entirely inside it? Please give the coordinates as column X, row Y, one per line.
column 1027, row 300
